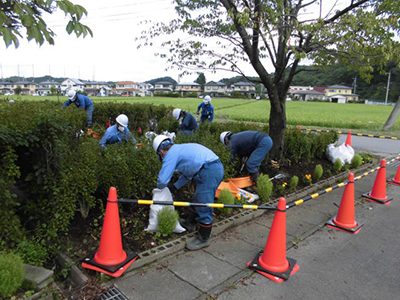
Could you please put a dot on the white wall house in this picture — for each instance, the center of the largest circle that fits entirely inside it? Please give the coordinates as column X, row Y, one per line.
column 71, row 83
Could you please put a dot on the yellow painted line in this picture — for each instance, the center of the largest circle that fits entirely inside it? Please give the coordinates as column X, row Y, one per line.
column 250, row 206
column 145, row 202
column 181, row 203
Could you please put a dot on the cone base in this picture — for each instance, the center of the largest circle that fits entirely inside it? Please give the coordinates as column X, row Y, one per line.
column 353, row 230
column 392, row 181
column 274, row 276
column 368, row 197
column 112, row 270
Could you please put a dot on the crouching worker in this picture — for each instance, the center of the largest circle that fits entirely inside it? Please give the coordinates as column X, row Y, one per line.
column 81, row 102
column 252, row 144
column 117, row 133
column 193, row 162
column 188, row 123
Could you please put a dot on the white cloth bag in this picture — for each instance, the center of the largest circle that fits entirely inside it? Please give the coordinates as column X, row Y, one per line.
column 345, row 153
column 161, row 195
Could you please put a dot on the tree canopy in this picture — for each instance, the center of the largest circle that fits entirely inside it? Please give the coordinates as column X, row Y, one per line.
column 276, row 36
column 18, row 15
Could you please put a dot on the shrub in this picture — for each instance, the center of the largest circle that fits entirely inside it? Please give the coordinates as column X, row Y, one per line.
column 318, row 171
column 11, row 275
column 356, row 161
column 337, row 166
column 264, row 187
column 294, row 182
column 32, row 252
column 226, row 197
column 167, row 220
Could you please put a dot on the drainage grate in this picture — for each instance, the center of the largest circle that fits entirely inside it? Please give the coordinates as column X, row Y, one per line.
column 113, row 294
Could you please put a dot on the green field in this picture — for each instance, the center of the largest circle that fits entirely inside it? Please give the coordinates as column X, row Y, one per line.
column 360, row 118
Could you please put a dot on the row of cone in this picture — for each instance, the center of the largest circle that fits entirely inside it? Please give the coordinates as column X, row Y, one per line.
column 272, row 262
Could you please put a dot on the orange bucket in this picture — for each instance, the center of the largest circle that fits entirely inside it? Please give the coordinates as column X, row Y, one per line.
column 241, row 182
column 227, row 185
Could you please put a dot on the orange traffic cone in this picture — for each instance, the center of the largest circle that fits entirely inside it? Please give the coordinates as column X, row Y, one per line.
column 344, row 220
column 378, row 193
column 111, row 259
column 348, row 140
column 396, row 179
column 272, row 262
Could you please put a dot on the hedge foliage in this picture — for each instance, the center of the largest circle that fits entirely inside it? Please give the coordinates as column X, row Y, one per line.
column 52, row 175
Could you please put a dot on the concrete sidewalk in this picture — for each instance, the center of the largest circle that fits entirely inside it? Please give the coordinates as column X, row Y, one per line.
column 333, row 264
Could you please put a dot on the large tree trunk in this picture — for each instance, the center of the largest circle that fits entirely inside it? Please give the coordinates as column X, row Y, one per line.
column 393, row 116
column 277, row 126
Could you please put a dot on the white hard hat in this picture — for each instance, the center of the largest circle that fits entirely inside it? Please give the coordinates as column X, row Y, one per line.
column 71, row 94
column 176, row 113
column 223, row 136
column 207, row 99
column 158, row 140
column 122, row 119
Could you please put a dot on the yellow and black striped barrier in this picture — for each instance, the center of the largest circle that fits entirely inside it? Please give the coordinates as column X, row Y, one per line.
column 315, row 195
column 213, row 205
column 355, row 134
column 245, row 206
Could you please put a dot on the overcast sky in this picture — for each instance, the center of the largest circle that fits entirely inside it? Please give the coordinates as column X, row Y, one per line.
column 111, row 55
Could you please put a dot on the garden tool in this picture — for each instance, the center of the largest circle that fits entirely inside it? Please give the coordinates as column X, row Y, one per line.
column 278, row 176
column 244, row 161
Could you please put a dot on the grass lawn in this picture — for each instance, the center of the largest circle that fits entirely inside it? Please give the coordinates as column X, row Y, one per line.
column 360, row 118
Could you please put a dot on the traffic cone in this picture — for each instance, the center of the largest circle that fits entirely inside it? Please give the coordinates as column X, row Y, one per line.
column 396, row 179
column 348, row 140
column 378, row 193
column 344, row 220
column 272, row 262
column 111, row 259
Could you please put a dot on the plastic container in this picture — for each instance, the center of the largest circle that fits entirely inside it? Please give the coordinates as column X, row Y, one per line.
column 241, row 182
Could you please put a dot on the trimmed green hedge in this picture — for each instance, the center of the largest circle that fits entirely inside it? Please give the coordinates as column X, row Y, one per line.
column 52, row 175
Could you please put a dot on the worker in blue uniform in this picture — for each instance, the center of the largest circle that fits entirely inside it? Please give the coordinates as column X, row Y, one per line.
column 193, row 162
column 117, row 133
column 188, row 123
column 81, row 102
column 254, row 145
column 207, row 110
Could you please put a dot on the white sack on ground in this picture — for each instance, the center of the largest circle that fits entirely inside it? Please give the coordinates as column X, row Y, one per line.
column 345, row 153
column 161, row 195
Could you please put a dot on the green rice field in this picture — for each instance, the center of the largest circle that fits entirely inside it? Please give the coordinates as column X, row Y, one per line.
column 361, row 118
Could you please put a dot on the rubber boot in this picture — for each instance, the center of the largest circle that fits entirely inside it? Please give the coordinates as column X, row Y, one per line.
column 203, row 238
column 254, row 177
column 190, row 223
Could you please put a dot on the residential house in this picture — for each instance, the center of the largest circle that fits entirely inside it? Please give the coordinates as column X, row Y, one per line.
column 245, row 88
column 306, row 95
column 71, row 83
column 340, row 94
column 6, row 88
column 44, row 88
column 186, row 88
column 162, row 87
column 27, row 87
column 145, row 88
column 96, row 88
column 126, row 88
column 215, row 89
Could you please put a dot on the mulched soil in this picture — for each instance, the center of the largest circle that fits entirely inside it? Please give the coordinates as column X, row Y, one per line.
column 84, row 236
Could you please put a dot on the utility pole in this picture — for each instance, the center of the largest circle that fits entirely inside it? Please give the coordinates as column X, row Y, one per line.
column 387, row 88
column 355, row 84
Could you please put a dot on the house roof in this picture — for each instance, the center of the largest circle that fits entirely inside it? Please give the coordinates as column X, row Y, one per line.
column 77, row 81
column 344, row 95
column 320, row 89
column 338, row 87
column 310, row 92
column 50, row 82
column 243, row 83
column 164, row 82
column 125, row 82
column 215, row 83
column 188, row 83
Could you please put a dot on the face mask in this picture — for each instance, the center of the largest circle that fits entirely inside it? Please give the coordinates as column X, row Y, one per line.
column 120, row 128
